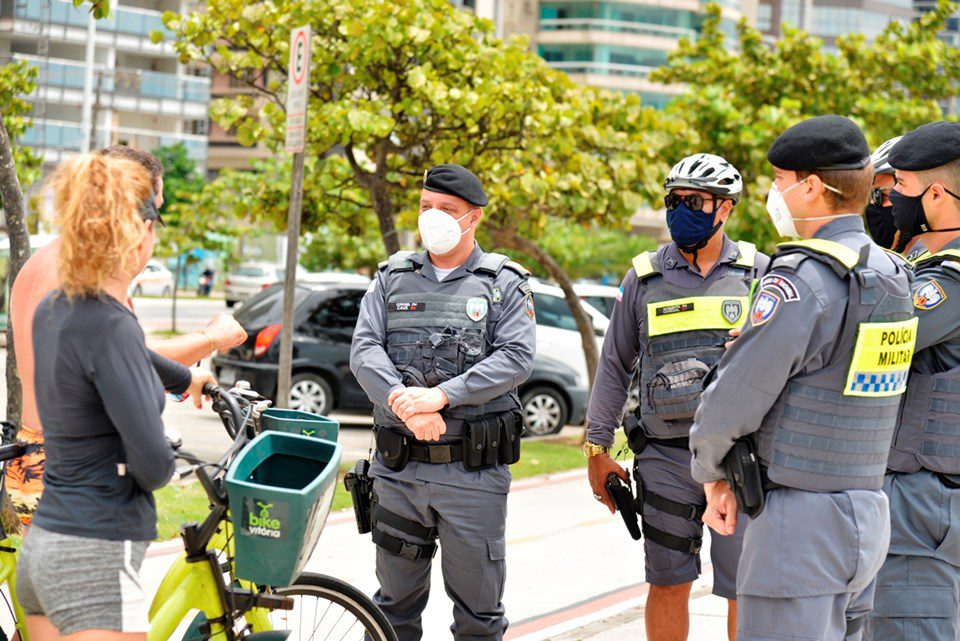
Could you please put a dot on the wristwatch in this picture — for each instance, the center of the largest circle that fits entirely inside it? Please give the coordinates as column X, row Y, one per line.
column 593, row 449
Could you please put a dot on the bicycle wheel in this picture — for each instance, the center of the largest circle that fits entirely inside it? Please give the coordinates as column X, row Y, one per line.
column 327, row 609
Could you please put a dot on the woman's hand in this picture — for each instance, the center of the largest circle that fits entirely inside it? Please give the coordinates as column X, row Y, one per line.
column 199, row 378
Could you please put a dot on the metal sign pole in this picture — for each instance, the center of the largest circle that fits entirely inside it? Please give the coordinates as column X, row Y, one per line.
column 298, row 82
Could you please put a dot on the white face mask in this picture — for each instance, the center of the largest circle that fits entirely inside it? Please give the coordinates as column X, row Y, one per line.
column 779, row 212
column 440, row 232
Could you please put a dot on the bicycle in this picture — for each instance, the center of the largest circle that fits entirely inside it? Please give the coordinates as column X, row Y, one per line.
column 203, row 577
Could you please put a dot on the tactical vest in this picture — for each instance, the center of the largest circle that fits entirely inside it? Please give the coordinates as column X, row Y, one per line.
column 928, row 433
column 830, row 429
column 686, row 331
column 437, row 331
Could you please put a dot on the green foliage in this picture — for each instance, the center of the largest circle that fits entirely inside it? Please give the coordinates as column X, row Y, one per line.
column 17, row 80
column 99, row 8
column 739, row 100
column 181, row 177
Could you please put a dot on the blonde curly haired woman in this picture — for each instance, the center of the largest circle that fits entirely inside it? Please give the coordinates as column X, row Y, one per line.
column 100, row 401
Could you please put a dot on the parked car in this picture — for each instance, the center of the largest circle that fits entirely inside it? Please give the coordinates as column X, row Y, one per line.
column 335, row 278
column 557, row 331
column 251, row 278
column 154, row 280
column 325, row 317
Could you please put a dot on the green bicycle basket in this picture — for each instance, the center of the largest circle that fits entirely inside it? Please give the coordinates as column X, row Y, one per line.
column 297, row 422
column 280, row 489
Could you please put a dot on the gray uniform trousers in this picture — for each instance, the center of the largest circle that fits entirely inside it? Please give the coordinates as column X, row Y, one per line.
column 809, row 565
column 471, row 525
column 918, row 588
column 665, row 471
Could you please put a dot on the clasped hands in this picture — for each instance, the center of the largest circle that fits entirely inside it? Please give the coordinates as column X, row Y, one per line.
column 419, row 408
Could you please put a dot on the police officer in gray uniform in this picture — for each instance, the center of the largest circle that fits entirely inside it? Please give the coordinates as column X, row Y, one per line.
column 677, row 307
column 443, row 340
column 918, row 587
column 814, row 383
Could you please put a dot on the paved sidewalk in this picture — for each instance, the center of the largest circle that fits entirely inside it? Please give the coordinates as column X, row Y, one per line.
column 570, row 564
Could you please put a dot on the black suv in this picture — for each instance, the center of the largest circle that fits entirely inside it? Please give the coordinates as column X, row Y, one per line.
column 325, row 317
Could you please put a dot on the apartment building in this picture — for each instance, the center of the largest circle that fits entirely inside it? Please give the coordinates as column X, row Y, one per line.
column 828, row 19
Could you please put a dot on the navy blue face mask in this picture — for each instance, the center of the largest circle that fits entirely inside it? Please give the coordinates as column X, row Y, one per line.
column 691, row 230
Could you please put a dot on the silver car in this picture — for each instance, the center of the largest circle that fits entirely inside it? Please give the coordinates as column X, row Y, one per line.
column 252, row 278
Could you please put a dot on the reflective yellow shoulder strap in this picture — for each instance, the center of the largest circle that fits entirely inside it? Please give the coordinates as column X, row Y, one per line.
column 643, row 265
column 955, row 253
column 748, row 254
column 846, row 256
column 922, row 257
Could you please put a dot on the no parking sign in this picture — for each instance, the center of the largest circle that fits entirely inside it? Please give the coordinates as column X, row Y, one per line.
column 298, row 85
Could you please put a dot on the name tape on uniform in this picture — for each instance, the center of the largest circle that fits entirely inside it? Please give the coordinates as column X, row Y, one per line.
column 881, row 358
column 696, row 313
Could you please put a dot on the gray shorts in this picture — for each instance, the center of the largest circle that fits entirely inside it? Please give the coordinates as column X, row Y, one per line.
column 82, row 583
column 666, row 471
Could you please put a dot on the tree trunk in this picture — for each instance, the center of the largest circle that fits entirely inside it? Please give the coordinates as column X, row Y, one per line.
column 11, row 196
column 509, row 238
column 383, row 205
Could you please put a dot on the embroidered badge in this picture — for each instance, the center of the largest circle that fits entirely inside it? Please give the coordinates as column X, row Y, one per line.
column 477, row 309
column 620, row 295
column 764, row 308
column 928, row 295
column 781, row 286
column 530, row 311
column 731, row 310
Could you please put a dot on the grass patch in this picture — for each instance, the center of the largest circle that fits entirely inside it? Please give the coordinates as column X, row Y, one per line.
column 166, row 333
column 177, row 504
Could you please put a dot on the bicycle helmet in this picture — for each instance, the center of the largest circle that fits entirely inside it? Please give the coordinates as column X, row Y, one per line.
column 881, row 164
column 709, row 173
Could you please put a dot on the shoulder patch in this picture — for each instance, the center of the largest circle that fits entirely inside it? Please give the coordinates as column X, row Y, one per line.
column 531, row 311
column 764, row 308
column 782, row 286
column 525, row 288
column 928, row 295
column 516, row 267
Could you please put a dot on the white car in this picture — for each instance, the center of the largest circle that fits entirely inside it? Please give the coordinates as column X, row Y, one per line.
column 603, row 297
column 557, row 333
column 154, row 280
column 333, row 278
column 252, row 278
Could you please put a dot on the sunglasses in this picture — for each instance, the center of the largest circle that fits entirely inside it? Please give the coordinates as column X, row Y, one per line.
column 876, row 196
column 694, row 201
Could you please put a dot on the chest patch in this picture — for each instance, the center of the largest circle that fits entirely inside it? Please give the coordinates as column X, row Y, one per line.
column 666, row 310
column 409, row 308
column 928, row 295
column 477, row 309
column 732, row 310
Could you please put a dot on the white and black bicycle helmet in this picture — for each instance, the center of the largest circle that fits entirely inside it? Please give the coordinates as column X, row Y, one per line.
column 709, row 173
column 880, row 157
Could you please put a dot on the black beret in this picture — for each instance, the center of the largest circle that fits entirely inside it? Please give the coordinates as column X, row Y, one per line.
column 455, row 180
column 926, row 147
column 824, row 142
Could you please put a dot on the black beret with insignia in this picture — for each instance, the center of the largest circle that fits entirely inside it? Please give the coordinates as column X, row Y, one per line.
column 455, row 180
column 824, row 142
column 927, row 147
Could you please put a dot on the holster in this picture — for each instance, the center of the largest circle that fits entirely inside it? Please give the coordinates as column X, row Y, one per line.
column 360, row 485
column 744, row 475
column 481, row 443
column 511, row 430
column 623, row 500
column 635, row 435
column 393, row 447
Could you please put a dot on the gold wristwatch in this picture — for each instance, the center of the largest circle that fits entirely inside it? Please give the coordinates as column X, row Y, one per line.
column 592, row 449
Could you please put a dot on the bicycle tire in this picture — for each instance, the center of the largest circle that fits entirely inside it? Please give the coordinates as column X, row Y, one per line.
column 376, row 625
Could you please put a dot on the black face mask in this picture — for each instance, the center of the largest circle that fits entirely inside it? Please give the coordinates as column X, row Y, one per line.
column 908, row 214
column 880, row 224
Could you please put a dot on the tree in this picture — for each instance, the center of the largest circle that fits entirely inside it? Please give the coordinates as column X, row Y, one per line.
column 741, row 98
column 427, row 85
column 16, row 164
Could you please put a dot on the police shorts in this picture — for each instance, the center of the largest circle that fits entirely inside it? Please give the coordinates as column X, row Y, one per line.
column 81, row 583
column 666, row 471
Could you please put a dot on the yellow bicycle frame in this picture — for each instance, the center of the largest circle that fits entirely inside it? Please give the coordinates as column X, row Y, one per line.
column 8, row 575
column 193, row 586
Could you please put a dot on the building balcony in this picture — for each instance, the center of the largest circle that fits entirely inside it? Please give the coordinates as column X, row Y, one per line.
column 125, row 27
column 135, row 90
column 56, row 140
column 610, row 75
column 616, row 26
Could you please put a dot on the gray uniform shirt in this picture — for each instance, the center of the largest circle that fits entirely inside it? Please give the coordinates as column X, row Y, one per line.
column 938, row 334
column 508, row 363
column 626, row 336
column 797, row 338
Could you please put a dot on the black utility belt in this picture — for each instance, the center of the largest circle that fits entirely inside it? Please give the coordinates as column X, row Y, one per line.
column 638, row 440
column 486, row 441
